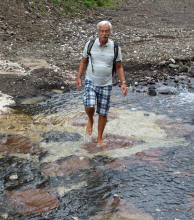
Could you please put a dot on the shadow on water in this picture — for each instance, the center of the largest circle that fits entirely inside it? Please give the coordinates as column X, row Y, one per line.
column 50, row 169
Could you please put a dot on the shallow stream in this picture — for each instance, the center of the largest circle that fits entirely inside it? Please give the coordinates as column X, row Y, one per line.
column 50, row 169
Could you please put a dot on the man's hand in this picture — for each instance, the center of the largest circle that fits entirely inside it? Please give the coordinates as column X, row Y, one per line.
column 78, row 83
column 81, row 71
column 124, row 89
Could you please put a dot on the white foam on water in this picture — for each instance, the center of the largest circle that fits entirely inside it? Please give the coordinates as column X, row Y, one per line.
column 125, row 123
column 137, row 125
column 5, row 100
column 186, row 98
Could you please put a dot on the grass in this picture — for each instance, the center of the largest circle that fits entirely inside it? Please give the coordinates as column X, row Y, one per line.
column 72, row 6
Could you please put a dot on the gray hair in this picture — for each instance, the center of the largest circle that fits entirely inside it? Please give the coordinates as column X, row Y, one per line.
column 102, row 23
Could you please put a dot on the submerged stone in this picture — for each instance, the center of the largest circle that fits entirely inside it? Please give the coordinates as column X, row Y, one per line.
column 174, row 128
column 191, row 202
column 58, row 136
column 67, row 166
column 33, row 200
column 151, row 157
column 185, row 173
column 17, row 144
column 112, row 142
column 33, row 100
column 79, row 120
column 120, row 209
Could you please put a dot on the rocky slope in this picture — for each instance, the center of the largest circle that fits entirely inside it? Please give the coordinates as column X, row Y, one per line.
column 156, row 38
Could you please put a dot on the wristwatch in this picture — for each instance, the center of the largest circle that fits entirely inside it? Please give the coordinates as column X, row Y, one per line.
column 123, row 82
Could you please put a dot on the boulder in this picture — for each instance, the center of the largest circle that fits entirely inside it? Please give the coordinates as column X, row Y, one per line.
column 166, row 90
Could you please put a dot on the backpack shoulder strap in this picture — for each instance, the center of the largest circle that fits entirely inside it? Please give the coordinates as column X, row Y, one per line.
column 116, row 49
column 90, row 47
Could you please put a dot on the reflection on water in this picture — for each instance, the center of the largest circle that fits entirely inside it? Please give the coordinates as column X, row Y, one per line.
column 50, row 151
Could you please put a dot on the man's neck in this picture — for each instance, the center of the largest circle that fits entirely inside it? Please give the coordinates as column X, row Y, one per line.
column 103, row 43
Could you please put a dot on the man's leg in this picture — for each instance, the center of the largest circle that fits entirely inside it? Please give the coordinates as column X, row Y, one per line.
column 90, row 113
column 101, row 125
column 103, row 104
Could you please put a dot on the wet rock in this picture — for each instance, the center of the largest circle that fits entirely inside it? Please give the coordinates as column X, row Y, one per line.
column 166, row 90
column 57, row 136
column 174, row 128
column 191, row 72
column 141, row 89
column 151, row 157
column 34, row 100
column 136, row 83
column 67, row 166
column 182, row 77
column 176, row 79
column 32, row 64
column 152, row 91
column 120, row 209
column 79, row 120
column 17, row 144
column 191, row 202
column 185, row 173
column 112, row 142
column 33, row 200
column 184, row 69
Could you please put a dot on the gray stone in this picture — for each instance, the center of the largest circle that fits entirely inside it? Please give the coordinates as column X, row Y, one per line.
column 184, row 69
column 174, row 66
column 192, row 71
column 166, row 90
column 152, row 91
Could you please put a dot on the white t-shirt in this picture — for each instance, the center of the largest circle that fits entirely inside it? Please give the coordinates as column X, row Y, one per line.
column 102, row 60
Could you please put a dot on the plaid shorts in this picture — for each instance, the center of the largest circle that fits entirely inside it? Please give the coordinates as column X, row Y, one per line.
column 99, row 95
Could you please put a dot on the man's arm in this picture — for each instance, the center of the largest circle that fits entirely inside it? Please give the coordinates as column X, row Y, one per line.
column 81, row 71
column 121, row 75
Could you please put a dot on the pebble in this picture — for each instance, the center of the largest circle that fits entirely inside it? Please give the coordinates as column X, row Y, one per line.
column 172, row 60
column 13, row 177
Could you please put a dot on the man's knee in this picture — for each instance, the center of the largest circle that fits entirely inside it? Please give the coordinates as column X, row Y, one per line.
column 89, row 110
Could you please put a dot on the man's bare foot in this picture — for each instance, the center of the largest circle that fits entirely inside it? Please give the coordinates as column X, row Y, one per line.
column 89, row 127
column 101, row 143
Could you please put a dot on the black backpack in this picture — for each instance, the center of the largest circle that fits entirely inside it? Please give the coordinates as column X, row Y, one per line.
column 116, row 48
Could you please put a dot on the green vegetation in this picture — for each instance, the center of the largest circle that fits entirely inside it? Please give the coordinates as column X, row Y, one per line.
column 72, row 6
column 88, row 3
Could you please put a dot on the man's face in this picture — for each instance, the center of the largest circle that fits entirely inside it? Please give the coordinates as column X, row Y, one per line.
column 103, row 33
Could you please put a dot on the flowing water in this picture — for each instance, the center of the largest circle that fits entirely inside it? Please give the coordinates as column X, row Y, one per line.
column 50, row 168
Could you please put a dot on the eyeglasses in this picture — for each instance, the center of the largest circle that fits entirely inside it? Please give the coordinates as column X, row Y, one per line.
column 104, row 31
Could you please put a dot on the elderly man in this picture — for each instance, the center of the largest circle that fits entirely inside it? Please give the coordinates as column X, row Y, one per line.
column 98, row 80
